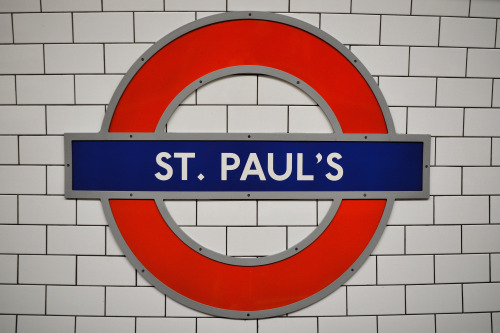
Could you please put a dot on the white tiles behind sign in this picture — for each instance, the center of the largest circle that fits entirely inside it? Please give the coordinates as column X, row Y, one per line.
column 436, row 268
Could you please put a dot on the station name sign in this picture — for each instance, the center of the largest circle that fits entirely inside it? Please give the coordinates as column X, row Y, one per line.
column 246, row 164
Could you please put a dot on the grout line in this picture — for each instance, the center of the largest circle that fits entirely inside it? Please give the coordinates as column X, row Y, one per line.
column 12, row 27
column 470, row 2
column 379, row 31
column 436, row 92
column 15, row 89
column 496, row 34
column 462, row 295
column 45, row 299
column 105, row 295
column 439, row 31
column 133, row 27
column 76, row 270
column 104, row 59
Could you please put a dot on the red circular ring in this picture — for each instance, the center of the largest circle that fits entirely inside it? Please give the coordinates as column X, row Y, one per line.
column 197, row 53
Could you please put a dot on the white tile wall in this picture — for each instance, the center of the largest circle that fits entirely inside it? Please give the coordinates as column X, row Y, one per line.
column 193, row 118
column 249, row 119
column 103, row 27
column 104, row 324
column 40, row 269
column 286, row 212
column 408, row 91
column 433, row 239
column 195, row 5
column 35, row 209
column 412, row 212
column 481, row 238
column 440, row 7
column 446, row 180
column 74, row 119
column 75, row 300
column 43, row 28
column 481, row 180
column 470, row 322
column 115, row 271
column 8, row 209
column 409, row 324
column 436, row 61
column 75, row 240
column 45, row 89
column 235, row 213
column 436, row 121
column 95, row 89
column 21, row 59
column 150, row 27
column 376, row 300
column 131, row 5
column 439, row 71
column 464, row 92
column 20, row 6
column 467, row 32
column 481, row 297
column 342, row 6
column 348, row 324
column 381, row 6
column 5, row 28
column 71, row 5
column 212, row 238
column 22, row 120
column 405, row 269
column 41, row 150
column 409, row 30
column 461, row 210
column 8, row 274
column 68, row 58
column 332, row 305
column 132, row 301
column 479, row 122
column 9, row 148
column 22, row 239
column 352, row 29
column 483, row 63
column 484, row 8
column 275, row 91
column 463, row 151
column 7, row 90
column 444, row 298
column 263, row 5
column 255, row 241
column 45, row 324
column 383, row 60
column 22, row 299
column 119, row 57
column 231, row 90
column 462, row 268
column 152, row 325
column 307, row 119
column 299, row 325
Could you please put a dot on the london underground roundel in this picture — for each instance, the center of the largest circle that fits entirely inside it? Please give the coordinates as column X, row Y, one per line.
column 132, row 165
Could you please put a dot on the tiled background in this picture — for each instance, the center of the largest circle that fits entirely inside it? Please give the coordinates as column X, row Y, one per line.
column 437, row 267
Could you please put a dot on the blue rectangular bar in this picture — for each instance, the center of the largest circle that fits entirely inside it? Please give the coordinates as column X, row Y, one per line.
column 263, row 166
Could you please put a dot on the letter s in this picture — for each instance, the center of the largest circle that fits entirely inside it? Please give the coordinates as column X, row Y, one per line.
column 340, row 170
column 165, row 165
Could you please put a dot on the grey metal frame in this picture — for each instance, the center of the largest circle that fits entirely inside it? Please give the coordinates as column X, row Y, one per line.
column 159, row 135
